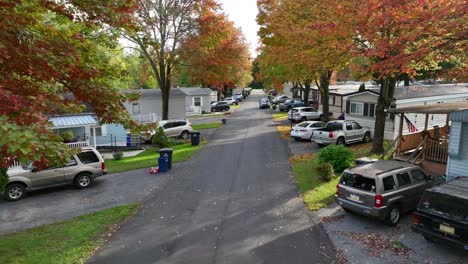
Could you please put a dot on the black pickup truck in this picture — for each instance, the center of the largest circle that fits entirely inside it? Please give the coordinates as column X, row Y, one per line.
column 442, row 214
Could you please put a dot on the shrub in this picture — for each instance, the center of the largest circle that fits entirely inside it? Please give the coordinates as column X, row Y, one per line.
column 175, row 142
column 339, row 156
column 118, row 155
column 326, row 172
column 160, row 139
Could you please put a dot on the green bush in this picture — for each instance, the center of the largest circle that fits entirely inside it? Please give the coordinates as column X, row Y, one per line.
column 175, row 142
column 339, row 156
column 160, row 139
column 326, row 172
column 118, row 155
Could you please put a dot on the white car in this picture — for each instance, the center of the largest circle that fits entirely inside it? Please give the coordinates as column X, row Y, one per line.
column 304, row 113
column 231, row 101
column 172, row 128
column 303, row 131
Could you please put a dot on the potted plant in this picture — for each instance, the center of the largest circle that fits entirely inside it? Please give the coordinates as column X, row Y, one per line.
column 68, row 136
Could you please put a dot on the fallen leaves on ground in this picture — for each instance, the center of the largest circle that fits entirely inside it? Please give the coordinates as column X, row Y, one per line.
column 300, row 158
column 285, row 132
column 376, row 244
column 331, row 219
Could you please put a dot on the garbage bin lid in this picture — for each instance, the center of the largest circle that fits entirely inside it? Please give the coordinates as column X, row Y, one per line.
column 166, row 150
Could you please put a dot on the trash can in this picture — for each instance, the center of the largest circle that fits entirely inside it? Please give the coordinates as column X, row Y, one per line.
column 129, row 140
column 224, row 121
column 167, row 152
column 163, row 163
column 195, row 138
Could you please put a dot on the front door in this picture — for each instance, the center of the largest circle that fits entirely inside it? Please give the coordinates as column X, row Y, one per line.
column 197, row 103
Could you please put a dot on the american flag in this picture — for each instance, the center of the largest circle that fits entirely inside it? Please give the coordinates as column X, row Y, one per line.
column 411, row 127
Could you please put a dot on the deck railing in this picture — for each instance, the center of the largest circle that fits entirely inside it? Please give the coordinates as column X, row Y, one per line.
column 79, row 144
column 147, row 118
column 436, row 151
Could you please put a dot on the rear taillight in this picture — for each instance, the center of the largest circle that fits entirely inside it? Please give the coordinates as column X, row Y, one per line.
column 416, row 219
column 303, row 130
column 330, row 134
column 337, row 189
column 378, row 202
column 103, row 166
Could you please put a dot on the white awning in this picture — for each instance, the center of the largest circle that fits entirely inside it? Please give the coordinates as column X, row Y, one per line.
column 72, row 121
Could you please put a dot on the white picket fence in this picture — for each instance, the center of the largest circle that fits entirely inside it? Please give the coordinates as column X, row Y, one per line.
column 147, row 118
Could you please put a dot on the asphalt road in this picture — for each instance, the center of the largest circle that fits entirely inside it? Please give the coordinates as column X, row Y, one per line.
column 233, row 202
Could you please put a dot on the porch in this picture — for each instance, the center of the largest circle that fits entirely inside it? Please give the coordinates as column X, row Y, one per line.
column 428, row 148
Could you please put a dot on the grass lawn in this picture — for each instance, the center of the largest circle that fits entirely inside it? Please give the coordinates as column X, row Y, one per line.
column 278, row 116
column 70, row 241
column 234, row 107
column 149, row 158
column 206, row 126
column 285, row 131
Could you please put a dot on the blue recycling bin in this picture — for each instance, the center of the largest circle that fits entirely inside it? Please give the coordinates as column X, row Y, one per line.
column 163, row 164
column 167, row 152
column 129, row 140
column 195, row 138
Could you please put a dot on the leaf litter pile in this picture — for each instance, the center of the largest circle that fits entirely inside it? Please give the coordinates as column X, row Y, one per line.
column 377, row 243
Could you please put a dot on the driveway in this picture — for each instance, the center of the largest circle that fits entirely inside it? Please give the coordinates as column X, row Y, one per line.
column 59, row 203
column 234, row 202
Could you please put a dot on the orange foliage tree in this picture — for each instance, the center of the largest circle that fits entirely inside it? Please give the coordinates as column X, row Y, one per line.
column 217, row 53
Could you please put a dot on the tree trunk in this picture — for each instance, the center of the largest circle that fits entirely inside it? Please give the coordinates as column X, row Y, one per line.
column 324, row 88
column 307, row 85
column 164, row 85
column 387, row 90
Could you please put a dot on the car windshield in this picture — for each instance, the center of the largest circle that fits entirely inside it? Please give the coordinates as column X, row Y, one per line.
column 288, row 101
column 334, row 126
column 445, row 204
column 295, row 110
column 303, row 124
column 263, row 100
column 358, row 181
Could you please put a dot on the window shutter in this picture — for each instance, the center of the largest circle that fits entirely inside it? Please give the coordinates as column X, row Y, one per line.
column 348, row 106
column 366, row 109
column 372, row 110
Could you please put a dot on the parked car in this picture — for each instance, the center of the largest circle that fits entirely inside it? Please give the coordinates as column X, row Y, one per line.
column 442, row 214
column 272, row 92
column 264, row 103
column 231, row 101
column 220, row 106
column 304, row 113
column 341, row 132
column 290, row 103
column 238, row 97
column 303, row 130
column 81, row 171
column 280, row 99
column 172, row 128
column 384, row 189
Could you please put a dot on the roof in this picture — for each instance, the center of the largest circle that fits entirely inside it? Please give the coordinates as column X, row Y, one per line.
column 380, row 167
column 442, row 108
column 73, row 121
column 421, row 91
column 343, row 89
column 155, row 92
column 196, row 91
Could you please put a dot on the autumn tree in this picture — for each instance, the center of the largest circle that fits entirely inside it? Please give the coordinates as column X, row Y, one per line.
column 398, row 36
column 307, row 38
column 48, row 51
column 217, row 53
column 163, row 26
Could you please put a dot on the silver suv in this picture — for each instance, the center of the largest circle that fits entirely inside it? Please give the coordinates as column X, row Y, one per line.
column 383, row 189
column 81, row 171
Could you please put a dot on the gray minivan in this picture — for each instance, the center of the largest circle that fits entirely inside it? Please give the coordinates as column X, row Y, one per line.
column 80, row 170
column 383, row 189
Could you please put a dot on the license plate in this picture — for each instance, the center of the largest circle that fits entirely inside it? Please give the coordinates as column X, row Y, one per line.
column 354, row 197
column 447, row 229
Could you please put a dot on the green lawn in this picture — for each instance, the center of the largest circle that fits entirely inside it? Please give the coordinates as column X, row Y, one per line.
column 149, row 158
column 233, row 107
column 316, row 194
column 280, row 115
column 70, row 241
column 206, row 126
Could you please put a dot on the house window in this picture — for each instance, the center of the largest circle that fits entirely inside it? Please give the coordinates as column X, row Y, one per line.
column 136, row 108
column 100, row 131
column 332, row 100
column 357, row 108
column 197, row 101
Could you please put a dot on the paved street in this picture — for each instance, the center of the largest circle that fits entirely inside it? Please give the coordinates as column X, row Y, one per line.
column 233, row 202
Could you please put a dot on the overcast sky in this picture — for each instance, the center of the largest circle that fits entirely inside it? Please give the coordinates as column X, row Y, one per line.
column 243, row 14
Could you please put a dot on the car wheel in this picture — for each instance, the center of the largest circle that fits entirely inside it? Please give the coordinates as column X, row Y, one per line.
column 320, row 117
column 340, row 141
column 393, row 215
column 303, row 119
column 83, row 180
column 184, row 135
column 366, row 137
column 14, row 192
